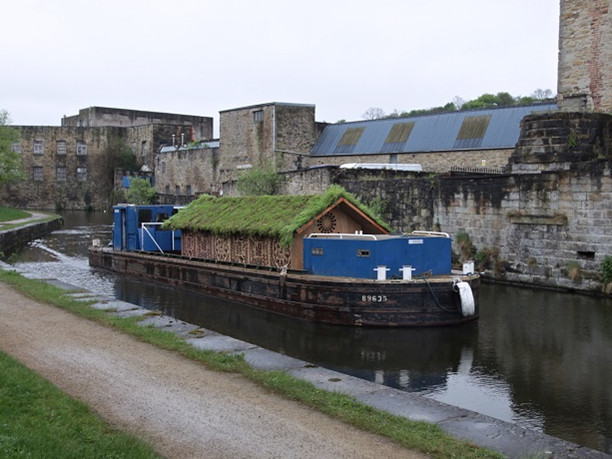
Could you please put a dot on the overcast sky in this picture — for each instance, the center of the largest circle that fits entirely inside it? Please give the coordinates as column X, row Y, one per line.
column 199, row 57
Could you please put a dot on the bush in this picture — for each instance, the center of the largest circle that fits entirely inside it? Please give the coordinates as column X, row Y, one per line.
column 606, row 269
column 140, row 192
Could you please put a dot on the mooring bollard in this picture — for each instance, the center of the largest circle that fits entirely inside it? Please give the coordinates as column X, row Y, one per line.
column 407, row 272
column 381, row 272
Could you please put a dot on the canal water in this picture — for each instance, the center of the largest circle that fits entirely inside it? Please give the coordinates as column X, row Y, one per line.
column 537, row 358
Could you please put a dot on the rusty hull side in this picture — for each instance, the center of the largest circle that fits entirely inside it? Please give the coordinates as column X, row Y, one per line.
column 342, row 301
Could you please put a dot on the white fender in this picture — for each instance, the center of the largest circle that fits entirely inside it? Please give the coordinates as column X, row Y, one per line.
column 468, row 307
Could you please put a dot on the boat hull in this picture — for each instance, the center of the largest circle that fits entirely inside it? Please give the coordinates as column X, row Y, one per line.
column 335, row 300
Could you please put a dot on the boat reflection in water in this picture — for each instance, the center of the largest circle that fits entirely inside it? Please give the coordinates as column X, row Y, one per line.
column 539, row 358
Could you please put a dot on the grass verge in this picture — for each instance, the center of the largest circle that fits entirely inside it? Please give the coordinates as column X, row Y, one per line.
column 38, row 420
column 7, row 213
column 420, row 436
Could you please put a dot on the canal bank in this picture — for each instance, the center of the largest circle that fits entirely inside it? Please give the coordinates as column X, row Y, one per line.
column 536, row 359
column 15, row 234
column 482, row 430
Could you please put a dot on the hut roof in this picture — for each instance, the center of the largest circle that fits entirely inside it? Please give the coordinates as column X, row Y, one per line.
column 273, row 216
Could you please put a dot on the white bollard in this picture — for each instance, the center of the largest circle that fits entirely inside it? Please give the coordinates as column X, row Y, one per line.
column 468, row 267
column 381, row 272
column 407, row 272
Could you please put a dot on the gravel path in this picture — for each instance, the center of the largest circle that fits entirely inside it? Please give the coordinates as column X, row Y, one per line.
column 179, row 406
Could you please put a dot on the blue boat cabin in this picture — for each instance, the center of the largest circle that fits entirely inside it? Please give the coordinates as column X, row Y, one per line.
column 361, row 255
column 139, row 228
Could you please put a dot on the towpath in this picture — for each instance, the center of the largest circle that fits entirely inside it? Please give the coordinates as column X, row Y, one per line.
column 177, row 405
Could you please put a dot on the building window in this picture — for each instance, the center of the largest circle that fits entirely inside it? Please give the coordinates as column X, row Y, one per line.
column 258, row 116
column 188, row 190
column 163, row 167
column 60, row 147
column 38, row 147
column 143, row 148
column 81, row 147
column 16, row 147
column 38, row 174
column 178, row 189
column 81, row 174
column 167, row 189
column 60, row 174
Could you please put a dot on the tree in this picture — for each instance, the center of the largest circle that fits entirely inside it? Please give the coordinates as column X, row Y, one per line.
column 258, row 181
column 140, row 192
column 11, row 169
column 541, row 94
column 373, row 113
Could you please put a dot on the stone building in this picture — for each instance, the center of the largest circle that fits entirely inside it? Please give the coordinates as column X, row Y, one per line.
column 585, row 56
column 71, row 166
column 277, row 135
column 146, row 132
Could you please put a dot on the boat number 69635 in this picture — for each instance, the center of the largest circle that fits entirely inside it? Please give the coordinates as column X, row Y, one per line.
column 374, row 298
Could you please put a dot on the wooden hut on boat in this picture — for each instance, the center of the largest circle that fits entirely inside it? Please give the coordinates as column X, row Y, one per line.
column 268, row 230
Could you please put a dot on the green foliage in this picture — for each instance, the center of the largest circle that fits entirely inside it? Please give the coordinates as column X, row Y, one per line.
column 258, row 181
column 465, row 246
column 140, row 192
column 38, row 420
column 501, row 99
column 378, row 206
column 272, row 216
column 606, row 269
column 11, row 169
column 7, row 214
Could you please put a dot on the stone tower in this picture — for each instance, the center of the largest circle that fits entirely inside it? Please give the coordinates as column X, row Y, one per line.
column 585, row 56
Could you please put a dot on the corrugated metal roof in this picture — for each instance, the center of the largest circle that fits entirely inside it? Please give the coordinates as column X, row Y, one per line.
column 496, row 128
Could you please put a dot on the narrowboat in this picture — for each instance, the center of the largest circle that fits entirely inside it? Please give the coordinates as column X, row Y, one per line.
column 311, row 268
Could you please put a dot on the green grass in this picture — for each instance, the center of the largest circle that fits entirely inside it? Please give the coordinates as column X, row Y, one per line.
column 38, row 420
column 7, row 214
column 420, row 436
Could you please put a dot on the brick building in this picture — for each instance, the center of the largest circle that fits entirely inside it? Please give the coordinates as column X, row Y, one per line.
column 585, row 56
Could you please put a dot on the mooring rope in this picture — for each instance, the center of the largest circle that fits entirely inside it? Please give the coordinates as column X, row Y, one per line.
column 435, row 298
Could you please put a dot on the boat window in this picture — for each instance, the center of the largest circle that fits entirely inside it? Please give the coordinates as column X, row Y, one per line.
column 162, row 217
column 363, row 253
column 145, row 216
column 317, row 251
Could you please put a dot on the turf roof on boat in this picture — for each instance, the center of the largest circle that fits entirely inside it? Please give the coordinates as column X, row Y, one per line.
column 272, row 216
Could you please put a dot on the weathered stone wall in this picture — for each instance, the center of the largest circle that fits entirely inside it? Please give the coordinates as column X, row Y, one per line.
column 200, row 127
column 59, row 177
column 187, row 171
column 431, row 162
column 585, row 56
column 555, row 141
column 551, row 229
column 265, row 135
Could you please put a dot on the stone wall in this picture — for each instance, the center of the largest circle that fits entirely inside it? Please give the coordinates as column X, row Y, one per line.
column 14, row 239
column 187, row 171
column 200, row 127
column 585, row 56
column 431, row 162
column 60, row 175
column 265, row 135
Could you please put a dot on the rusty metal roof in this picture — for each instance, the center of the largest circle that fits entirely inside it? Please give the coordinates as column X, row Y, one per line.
column 496, row 128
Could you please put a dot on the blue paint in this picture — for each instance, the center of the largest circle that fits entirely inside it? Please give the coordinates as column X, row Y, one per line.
column 358, row 257
column 138, row 228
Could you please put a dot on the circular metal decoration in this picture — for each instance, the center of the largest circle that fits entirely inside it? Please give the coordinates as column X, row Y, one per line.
column 327, row 223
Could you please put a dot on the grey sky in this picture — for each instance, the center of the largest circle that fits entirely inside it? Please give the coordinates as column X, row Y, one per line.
column 202, row 56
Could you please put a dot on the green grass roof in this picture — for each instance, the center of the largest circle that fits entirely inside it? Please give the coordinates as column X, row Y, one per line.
column 272, row 216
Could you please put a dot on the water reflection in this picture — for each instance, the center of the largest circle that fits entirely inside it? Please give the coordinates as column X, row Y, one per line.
column 538, row 358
